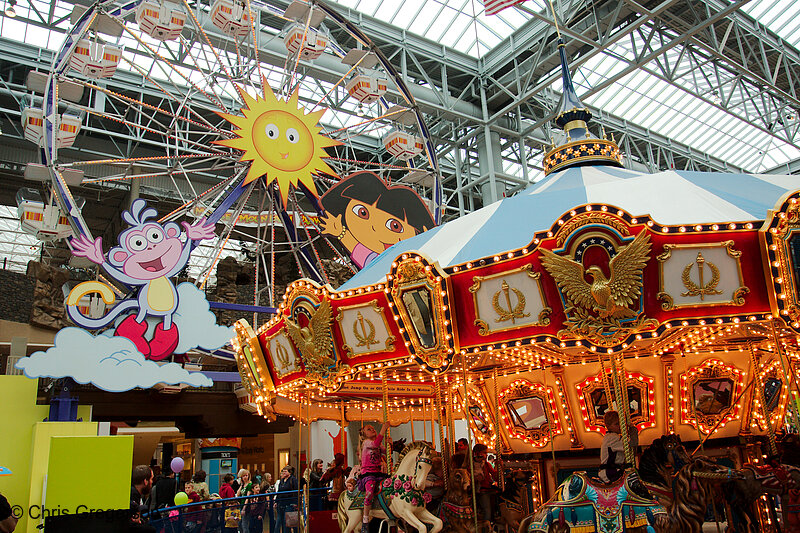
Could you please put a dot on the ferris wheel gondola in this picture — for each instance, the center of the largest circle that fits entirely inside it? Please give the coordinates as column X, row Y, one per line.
column 195, row 105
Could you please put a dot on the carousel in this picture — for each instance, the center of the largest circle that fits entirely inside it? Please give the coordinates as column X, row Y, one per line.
column 666, row 301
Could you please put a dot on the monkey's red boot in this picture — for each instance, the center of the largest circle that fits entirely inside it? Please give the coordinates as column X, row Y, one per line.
column 134, row 331
column 164, row 342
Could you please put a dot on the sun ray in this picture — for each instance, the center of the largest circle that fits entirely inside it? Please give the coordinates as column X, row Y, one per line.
column 282, row 141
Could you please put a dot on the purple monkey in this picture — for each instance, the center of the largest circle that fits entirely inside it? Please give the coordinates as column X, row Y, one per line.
column 147, row 256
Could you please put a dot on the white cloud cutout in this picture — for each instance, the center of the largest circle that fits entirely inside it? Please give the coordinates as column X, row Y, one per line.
column 197, row 325
column 110, row 363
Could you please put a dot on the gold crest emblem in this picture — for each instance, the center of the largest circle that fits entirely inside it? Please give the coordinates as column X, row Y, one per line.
column 315, row 342
column 692, row 288
column 511, row 312
column 366, row 334
column 599, row 311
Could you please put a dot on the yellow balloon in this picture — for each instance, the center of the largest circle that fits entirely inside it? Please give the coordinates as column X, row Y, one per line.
column 181, row 498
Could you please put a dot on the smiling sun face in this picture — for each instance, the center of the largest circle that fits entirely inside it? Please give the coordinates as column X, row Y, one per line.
column 282, row 141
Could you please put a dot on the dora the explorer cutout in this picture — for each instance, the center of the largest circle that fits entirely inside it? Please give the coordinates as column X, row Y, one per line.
column 368, row 216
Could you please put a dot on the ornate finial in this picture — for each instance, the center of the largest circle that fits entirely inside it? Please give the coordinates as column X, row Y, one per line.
column 579, row 146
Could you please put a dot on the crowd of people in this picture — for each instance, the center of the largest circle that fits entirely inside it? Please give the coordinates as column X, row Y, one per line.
column 245, row 503
column 249, row 503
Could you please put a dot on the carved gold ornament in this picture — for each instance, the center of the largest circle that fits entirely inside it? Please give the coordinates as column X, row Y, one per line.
column 364, row 329
column 719, row 259
column 509, row 313
column 282, row 355
column 315, row 342
column 509, row 300
column 694, row 289
column 600, row 311
column 419, row 300
column 365, row 337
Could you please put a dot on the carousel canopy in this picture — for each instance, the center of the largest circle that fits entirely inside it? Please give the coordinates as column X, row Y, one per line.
column 669, row 197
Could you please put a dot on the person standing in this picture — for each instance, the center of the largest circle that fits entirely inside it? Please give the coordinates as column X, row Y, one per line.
column 232, row 512
column 255, row 510
column 316, row 486
column 141, row 486
column 287, row 501
column 268, row 489
column 245, row 485
column 335, row 474
column 485, row 475
column 200, row 485
column 612, row 451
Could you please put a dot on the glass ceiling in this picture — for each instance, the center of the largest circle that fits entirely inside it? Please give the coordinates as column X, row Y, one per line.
column 461, row 24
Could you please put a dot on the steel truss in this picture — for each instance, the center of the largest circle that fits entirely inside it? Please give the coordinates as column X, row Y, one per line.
column 500, row 106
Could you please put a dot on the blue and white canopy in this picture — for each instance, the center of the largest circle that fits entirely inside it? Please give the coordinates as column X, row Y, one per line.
column 672, row 197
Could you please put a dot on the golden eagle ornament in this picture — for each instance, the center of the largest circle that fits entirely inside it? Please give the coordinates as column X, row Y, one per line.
column 314, row 341
column 608, row 297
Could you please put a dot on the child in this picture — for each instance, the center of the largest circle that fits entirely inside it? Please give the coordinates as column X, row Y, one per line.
column 367, row 216
column 371, row 469
column 255, row 510
column 191, row 493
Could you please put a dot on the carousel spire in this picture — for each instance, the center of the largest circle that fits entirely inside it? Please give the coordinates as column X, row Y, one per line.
column 578, row 146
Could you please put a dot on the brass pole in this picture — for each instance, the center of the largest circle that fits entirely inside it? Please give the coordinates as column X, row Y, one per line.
column 469, row 437
column 498, row 448
column 386, row 421
column 445, row 455
column 773, row 447
column 790, row 373
column 622, row 412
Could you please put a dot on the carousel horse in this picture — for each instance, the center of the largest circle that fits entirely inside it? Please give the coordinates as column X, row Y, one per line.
column 779, row 477
column 457, row 510
column 665, row 456
column 510, row 508
column 400, row 497
column 585, row 504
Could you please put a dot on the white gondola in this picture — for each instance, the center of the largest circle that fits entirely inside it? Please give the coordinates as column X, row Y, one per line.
column 94, row 59
column 47, row 222
column 403, row 145
column 367, row 89
column 310, row 47
column 68, row 127
column 163, row 21
column 232, row 17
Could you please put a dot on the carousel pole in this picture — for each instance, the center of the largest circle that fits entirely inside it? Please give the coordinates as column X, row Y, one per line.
column 451, row 425
column 309, row 464
column 299, row 446
column 385, row 390
column 469, row 437
column 697, row 422
column 424, row 423
column 606, row 385
column 624, row 413
column 497, row 445
column 342, row 440
column 773, row 447
column 792, row 378
column 445, row 455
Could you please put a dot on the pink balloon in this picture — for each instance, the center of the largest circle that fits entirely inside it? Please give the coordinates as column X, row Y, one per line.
column 176, row 465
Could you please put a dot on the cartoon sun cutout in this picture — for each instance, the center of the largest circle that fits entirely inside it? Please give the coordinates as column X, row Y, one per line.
column 283, row 142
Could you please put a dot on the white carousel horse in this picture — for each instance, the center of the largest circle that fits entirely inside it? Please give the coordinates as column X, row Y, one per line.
column 401, row 496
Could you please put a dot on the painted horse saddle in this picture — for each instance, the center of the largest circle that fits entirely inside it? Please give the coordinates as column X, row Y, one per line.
column 584, row 506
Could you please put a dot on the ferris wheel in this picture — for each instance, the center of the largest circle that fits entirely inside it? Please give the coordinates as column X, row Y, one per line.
column 240, row 112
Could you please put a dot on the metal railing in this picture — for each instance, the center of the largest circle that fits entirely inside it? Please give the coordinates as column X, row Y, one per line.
column 213, row 516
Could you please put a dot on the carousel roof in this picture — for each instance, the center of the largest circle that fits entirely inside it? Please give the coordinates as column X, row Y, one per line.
column 669, row 197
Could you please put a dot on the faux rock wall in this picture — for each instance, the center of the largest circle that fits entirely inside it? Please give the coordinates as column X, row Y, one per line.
column 235, row 284
column 16, row 296
column 48, row 296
